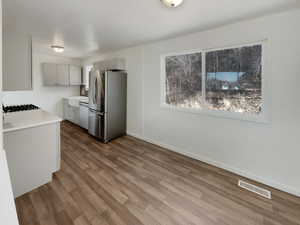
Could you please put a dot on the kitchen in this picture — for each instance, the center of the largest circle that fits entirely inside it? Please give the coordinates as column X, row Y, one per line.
column 101, row 111
column 175, row 113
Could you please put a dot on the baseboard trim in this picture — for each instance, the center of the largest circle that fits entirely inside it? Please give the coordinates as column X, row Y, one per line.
column 276, row 185
column 136, row 135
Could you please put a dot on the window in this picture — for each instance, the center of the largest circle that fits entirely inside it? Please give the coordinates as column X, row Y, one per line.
column 184, row 80
column 224, row 80
column 233, row 79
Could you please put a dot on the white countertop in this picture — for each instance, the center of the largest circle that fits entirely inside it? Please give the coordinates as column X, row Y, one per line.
column 75, row 100
column 27, row 119
column 79, row 98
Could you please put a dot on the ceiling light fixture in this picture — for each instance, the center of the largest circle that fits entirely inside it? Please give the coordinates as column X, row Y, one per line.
column 58, row 49
column 172, row 3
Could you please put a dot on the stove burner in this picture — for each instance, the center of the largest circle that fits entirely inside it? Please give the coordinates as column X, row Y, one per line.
column 17, row 108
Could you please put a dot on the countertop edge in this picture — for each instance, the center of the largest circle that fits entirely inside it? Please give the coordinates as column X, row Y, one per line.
column 58, row 120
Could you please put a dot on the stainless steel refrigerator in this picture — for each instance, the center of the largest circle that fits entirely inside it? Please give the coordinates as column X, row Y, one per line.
column 107, row 104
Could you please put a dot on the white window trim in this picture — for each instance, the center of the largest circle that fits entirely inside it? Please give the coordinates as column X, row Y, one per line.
column 87, row 69
column 263, row 117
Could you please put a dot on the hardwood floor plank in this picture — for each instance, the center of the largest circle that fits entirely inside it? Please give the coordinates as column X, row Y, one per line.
column 63, row 218
column 81, row 220
column 112, row 218
column 29, row 214
column 114, row 191
column 163, row 217
column 70, row 207
column 40, row 207
column 142, row 215
column 88, row 210
column 99, row 220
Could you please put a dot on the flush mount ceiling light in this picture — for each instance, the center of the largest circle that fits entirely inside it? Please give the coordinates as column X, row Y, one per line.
column 58, row 49
column 172, row 3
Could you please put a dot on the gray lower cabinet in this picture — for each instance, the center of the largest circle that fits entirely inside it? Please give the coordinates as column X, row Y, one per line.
column 84, row 116
column 17, row 62
column 71, row 113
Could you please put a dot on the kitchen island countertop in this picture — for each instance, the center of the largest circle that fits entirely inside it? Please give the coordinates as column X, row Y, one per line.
column 27, row 119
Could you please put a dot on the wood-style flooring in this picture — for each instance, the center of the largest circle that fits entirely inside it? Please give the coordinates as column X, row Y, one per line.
column 129, row 181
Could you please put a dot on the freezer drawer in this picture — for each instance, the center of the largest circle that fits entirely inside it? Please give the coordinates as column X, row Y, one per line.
column 96, row 124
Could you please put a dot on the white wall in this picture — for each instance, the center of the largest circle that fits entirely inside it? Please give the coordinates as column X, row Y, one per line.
column 48, row 98
column 268, row 153
column 134, row 67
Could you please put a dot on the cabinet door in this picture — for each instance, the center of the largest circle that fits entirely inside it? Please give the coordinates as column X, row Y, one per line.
column 17, row 62
column 65, row 109
column 74, row 114
column 75, row 75
column 49, row 74
column 71, row 115
column 84, row 116
column 77, row 115
column 69, row 112
column 62, row 75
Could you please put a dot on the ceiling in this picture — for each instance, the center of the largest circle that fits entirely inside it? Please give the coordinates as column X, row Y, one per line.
column 86, row 27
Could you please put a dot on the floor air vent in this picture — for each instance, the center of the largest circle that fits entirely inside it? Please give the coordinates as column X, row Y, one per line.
column 250, row 187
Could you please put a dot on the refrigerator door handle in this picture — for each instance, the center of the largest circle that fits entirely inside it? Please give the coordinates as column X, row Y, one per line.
column 91, row 94
column 96, row 91
column 97, row 112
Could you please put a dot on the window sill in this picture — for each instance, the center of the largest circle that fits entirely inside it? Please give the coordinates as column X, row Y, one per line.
column 263, row 118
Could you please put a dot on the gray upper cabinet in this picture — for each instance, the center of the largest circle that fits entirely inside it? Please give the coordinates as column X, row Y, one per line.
column 49, row 74
column 61, row 74
column 75, row 75
column 17, row 62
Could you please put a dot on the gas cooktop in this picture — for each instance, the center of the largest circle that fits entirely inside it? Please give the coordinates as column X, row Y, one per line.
column 17, row 108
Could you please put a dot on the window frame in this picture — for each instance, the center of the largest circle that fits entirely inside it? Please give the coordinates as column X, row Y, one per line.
column 87, row 69
column 263, row 117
